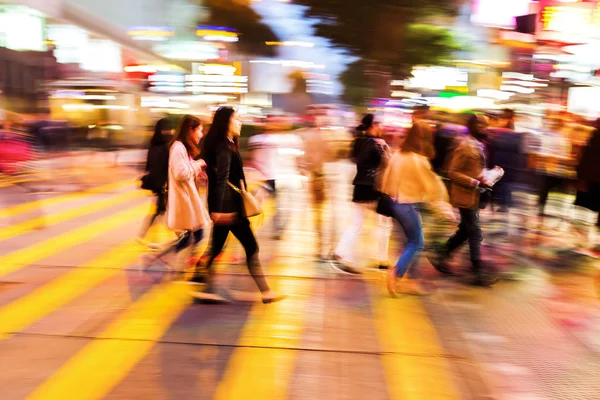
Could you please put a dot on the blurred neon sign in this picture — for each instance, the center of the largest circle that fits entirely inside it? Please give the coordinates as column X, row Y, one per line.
column 577, row 18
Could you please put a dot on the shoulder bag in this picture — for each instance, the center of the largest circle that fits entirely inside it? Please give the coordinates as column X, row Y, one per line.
column 251, row 206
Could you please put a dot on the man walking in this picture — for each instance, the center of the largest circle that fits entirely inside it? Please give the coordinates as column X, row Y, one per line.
column 466, row 173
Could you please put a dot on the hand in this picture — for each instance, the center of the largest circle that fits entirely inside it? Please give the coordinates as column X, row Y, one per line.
column 484, row 184
column 223, row 218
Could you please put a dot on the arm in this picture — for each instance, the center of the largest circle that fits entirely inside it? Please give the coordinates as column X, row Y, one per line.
column 181, row 166
column 223, row 164
column 459, row 160
column 435, row 188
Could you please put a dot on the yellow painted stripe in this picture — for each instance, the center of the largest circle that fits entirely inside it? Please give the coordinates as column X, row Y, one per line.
column 23, row 312
column 413, row 366
column 39, row 176
column 265, row 373
column 95, row 370
column 57, row 218
column 34, row 205
column 21, row 258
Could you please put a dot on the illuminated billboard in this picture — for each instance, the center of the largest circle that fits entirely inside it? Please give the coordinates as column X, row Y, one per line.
column 499, row 13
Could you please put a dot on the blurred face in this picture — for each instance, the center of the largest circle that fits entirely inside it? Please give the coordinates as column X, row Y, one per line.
column 196, row 134
column 235, row 125
column 375, row 129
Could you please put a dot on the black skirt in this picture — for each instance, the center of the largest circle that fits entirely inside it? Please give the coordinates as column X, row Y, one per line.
column 365, row 194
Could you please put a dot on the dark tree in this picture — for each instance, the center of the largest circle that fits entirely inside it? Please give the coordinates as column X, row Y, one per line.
column 389, row 36
column 238, row 14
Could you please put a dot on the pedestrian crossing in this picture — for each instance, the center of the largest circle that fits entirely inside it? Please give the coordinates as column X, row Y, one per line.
column 266, row 343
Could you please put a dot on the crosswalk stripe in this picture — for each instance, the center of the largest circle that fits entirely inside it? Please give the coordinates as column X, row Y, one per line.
column 95, row 370
column 56, row 218
column 21, row 258
column 264, row 363
column 34, row 205
column 414, row 364
column 35, row 177
column 23, row 312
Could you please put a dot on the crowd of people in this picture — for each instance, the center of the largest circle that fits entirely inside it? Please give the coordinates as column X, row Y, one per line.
column 429, row 169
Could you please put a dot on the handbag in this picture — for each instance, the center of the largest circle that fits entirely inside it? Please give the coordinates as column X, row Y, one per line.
column 251, row 206
column 385, row 205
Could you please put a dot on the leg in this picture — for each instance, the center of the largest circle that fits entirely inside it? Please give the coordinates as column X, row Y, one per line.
column 473, row 227
column 243, row 232
column 384, row 228
column 317, row 189
column 459, row 237
column 219, row 236
column 345, row 248
column 409, row 220
column 149, row 221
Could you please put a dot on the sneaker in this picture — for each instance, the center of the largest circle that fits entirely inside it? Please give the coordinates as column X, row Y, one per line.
column 336, row 263
column 485, row 280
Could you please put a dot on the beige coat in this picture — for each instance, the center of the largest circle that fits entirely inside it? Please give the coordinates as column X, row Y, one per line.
column 185, row 207
column 465, row 172
column 409, row 178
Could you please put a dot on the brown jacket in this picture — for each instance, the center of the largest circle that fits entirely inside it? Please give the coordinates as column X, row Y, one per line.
column 465, row 171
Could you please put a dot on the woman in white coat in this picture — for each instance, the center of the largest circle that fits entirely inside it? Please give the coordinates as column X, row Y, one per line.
column 186, row 212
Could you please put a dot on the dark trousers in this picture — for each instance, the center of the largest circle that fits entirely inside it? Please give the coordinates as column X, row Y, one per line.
column 547, row 184
column 188, row 238
column 161, row 208
column 469, row 230
column 243, row 232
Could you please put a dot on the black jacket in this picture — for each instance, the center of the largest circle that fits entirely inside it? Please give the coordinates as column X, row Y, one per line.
column 368, row 152
column 157, row 166
column 222, row 167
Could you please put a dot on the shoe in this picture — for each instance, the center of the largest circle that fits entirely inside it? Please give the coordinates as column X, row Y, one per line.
column 209, row 297
column 338, row 265
column 440, row 265
column 485, row 280
column 198, row 279
column 272, row 297
column 140, row 241
column 414, row 287
column 392, row 282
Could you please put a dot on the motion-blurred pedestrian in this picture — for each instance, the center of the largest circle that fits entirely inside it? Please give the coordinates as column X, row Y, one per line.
column 225, row 179
column 588, row 173
column 186, row 212
column 369, row 152
column 409, row 181
column 157, row 173
column 468, row 183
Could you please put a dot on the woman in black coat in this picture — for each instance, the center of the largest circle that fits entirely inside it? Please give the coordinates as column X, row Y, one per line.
column 588, row 173
column 157, row 172
column 225, row 205
column 369, row 152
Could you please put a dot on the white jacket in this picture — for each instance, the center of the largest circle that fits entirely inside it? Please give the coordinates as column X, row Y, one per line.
column 185, row 207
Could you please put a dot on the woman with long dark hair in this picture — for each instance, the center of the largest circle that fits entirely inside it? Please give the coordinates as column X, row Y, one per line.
column 186, row 213
column 225, row 168
column 157, row 173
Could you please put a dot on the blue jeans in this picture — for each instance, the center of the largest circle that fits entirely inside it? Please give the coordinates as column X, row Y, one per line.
column 409, row 219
